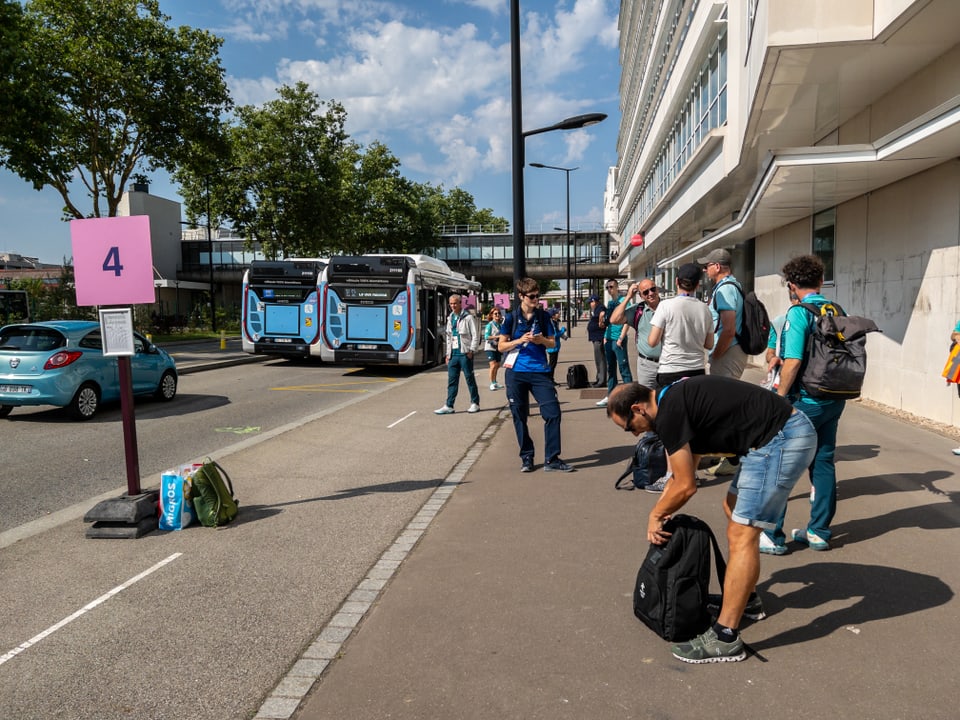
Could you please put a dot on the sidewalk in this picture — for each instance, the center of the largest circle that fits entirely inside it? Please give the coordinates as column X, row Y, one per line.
column 517, row 600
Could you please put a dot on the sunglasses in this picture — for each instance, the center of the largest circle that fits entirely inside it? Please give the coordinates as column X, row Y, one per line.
column 612, row 287
column 532, row 296
column 648, row 291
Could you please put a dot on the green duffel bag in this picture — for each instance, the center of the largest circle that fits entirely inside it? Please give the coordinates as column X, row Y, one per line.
column 213, row 498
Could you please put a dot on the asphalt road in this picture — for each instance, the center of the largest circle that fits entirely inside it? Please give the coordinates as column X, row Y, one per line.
column 51, row 461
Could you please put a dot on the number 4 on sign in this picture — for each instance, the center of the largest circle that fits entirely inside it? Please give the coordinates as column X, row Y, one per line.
column 112, row 261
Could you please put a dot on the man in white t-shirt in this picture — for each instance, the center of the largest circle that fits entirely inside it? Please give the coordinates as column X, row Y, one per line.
column 683, row 327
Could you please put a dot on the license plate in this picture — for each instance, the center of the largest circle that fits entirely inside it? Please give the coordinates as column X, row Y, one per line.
column 15, row 388
column 282, row 340
column 366, row 347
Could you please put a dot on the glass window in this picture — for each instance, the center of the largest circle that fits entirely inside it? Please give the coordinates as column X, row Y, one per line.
column 824, row 240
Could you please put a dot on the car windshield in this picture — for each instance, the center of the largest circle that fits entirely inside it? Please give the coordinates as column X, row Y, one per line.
column 34, row 339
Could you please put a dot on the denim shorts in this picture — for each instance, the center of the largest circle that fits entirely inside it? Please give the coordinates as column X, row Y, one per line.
column 767, row 474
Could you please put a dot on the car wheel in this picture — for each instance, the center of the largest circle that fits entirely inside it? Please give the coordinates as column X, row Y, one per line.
column 5, row 410
column 167, row 389
column 86, row 402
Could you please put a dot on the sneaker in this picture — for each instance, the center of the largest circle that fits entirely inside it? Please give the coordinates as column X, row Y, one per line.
column 473, row 408
column 495, row 386
column 753, row 610
column 956, row 451
column 722, row 468
column 708, row 648
column 769, row 547
column 602, row 403
column 659, row 485
column 557, row 465
column 445, row 410
column 527, row 465
column 810, row 538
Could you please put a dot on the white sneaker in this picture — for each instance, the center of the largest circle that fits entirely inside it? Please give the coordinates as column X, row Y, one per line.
column 495, row 386
column 956, row 451
column 473, row 408
column 602, row 403
column 445, row 410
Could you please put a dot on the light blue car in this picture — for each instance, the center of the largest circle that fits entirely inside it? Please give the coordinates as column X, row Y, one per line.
column 61, row 363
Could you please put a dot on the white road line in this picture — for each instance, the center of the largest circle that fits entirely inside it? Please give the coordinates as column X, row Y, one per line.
column 86, row 608
column 401, row 419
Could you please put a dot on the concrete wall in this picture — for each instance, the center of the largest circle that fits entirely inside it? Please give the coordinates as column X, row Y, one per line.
column 897, row 262
column 164, row 228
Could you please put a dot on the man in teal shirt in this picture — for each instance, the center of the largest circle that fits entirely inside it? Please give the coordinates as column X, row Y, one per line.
column 804, row 278
column 615, row 344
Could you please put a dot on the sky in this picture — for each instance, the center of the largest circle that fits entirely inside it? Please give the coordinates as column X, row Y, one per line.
column 428, row 78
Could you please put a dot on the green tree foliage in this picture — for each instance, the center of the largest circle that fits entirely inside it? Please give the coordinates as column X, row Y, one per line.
column 281, row 182
column 295, row 182
column 108, row 87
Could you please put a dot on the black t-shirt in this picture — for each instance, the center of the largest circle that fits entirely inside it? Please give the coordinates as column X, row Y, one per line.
column 719, row 415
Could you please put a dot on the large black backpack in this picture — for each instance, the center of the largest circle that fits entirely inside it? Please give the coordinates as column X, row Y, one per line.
column 670, row 596
column 647, row 464
column 835, row 358
column 755, row 323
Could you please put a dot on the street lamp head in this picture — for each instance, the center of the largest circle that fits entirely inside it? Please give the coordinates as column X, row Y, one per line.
column 581, row 121
column 571, row 123
column 554, row 167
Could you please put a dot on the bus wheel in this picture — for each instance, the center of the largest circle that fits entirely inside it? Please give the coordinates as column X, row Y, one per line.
column 5, row 410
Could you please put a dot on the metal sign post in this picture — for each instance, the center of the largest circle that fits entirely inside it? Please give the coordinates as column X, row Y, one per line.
column 113, row 265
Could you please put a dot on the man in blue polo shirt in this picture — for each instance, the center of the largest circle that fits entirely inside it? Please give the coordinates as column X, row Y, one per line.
column 525, row 336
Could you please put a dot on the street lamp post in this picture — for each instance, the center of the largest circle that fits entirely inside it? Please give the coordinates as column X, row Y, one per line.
column 213, row 309
column 518, row 137
column 206, row 189
column 567, row 172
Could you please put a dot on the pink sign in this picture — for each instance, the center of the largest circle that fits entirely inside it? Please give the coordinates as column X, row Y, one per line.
column 112, row 260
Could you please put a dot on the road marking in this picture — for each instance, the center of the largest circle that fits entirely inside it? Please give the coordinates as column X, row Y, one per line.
column 238, row 430
column 401, row 419
column 85, row 609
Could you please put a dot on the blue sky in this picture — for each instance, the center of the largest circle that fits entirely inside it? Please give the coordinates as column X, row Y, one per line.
column 428, row 78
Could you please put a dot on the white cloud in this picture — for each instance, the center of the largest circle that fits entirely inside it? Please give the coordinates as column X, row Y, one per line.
column 438, row 96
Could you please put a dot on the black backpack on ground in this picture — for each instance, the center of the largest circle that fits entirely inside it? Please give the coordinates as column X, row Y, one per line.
column 670, row 596
column 577, row 377
column 647, row 464
column 835, row 358
column 755, row 324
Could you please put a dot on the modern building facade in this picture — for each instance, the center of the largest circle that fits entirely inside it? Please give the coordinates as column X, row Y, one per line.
column 775, row 128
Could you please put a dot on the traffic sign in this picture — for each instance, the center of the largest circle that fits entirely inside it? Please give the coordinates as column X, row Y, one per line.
column 112, row 260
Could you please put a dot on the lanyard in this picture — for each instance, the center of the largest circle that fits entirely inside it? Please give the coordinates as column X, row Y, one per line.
column 664, row 389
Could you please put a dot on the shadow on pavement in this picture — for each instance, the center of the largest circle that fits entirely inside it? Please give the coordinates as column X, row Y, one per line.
column 879, row 593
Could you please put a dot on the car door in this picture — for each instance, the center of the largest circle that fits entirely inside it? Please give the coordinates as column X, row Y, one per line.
column 96, row 367
column 147, row 367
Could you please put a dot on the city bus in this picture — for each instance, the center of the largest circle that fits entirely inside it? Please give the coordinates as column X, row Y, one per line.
column 387, row 309
column 14, row 306
column 280, row 313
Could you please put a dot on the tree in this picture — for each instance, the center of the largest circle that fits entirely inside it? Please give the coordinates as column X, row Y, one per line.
column 110, row 89
column 281, row 182
column 385, row 211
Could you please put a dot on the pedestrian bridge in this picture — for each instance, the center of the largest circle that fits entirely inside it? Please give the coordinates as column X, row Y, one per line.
column 488, row 256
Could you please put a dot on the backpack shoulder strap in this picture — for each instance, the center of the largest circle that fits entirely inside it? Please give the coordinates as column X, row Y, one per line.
column 717, row 557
